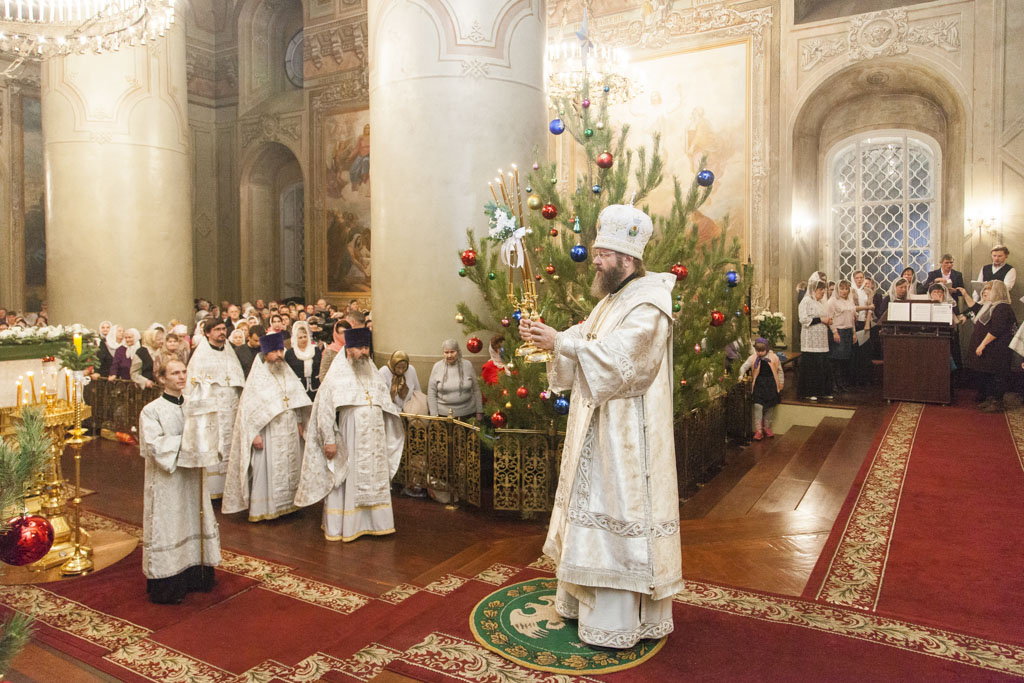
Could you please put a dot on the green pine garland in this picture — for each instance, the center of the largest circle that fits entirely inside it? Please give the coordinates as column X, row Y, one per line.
column 70, row 359
column 19, row 465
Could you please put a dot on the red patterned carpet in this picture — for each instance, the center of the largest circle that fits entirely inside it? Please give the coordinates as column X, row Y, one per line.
column 265, row 622
column 931, row 530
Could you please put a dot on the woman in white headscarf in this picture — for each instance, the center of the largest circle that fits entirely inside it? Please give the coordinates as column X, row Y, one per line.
column 842, row 310
column 452, row 386
column 813, row 378
column 304, row 357
column 121, row 367
column 108, row 345
column 989, row 350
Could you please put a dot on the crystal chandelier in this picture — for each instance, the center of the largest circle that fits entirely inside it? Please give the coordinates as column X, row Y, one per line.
column 571, row 62
column 36, row 29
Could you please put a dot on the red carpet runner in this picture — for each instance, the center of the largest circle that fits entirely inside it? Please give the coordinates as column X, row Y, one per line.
column 932, row 530
column 266, row 623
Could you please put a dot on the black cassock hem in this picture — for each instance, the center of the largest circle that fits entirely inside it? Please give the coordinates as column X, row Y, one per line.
column 172, row 590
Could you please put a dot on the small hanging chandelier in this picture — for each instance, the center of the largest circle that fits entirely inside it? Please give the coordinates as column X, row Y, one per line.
column 571, row 62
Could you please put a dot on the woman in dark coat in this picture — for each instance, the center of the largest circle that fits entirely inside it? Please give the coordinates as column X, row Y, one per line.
column 304, row 358
column 989, row 350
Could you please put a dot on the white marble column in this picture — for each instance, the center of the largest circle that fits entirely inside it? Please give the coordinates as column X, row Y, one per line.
column 118, row 219
column 456, row 91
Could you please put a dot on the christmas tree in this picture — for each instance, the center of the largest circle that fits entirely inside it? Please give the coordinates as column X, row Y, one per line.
column 710, row 308
column 18, row 467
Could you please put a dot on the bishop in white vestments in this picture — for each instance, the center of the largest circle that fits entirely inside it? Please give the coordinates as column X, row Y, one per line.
column 215, row 381
column 354, row 447
column 266, row 447
column 614, row 530
column 175, row 506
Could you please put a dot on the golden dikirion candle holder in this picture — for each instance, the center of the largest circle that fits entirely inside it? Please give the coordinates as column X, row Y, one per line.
column 511, row 197
column 80, row 561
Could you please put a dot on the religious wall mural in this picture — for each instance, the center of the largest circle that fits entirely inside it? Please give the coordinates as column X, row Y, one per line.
column 34, row 202
column 699, row 100
column 347, row 201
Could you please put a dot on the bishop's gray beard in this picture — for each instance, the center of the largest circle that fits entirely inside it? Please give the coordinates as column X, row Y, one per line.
column 605, row 282
column 277, row 367
column 362, row 367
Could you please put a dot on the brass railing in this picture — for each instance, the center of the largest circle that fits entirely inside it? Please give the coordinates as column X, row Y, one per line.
column 116, row 404
column 526, row 465
column 700, row 438
column 442, row 453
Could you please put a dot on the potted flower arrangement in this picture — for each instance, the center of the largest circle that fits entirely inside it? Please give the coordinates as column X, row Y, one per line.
column 769, row 326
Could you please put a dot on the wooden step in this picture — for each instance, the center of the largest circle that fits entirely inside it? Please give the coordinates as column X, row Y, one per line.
column 751, row 527
column 772, row 457
column 786, row 492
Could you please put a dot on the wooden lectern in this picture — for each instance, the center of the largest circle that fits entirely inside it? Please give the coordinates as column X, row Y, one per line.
column 917, row 361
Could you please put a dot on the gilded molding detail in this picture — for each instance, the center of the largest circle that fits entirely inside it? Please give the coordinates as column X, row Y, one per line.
column 333, row 40
column 284, row 129
column 657, row 31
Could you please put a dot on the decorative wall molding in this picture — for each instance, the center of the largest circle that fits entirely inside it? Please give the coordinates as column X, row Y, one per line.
column 332, row 40
column 882, row 34
column 662, row 28
column 286, row 129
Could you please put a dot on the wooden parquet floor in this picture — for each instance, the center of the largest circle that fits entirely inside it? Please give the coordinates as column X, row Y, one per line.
column 760, row 523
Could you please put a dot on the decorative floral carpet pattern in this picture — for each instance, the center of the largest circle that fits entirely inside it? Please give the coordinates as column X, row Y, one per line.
column 519, row 622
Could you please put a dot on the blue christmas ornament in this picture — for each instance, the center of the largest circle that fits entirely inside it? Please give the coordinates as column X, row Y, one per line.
column 578, row 253
column 557, row 126
column 606, row 88
column 704, row 178
column 576, row 226
column 732, row 277
column 596, row 189
column 562, row 405
column 516, row 315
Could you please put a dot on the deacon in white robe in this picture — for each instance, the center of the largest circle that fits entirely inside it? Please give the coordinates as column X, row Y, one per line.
column 266, row 447
column 215, row 381
column 175, row 506
column 353, row 447
column 614, row 530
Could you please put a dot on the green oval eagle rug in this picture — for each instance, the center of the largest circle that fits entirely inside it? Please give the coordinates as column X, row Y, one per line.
column 519, row 622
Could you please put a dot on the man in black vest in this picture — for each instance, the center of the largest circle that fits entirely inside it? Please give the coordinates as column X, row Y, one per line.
column 946, row 275
column 999, row 269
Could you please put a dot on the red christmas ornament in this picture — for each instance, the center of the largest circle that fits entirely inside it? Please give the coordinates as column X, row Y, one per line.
column 554, row 232
column 746, row 309
column 28, row 539
column 549, row 211
column 549, row 269
column 537, row 277
column 717, row 318
column 604, row 160
column 469, row 257
column 473, row 345
column 680, row 271
column 682, row 382
column 505, row 322
column 696, row 348
column 504, row 392
column 498, row 419
column 522, row 392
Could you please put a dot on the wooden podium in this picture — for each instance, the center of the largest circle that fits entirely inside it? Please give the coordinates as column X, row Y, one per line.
column 917, row 365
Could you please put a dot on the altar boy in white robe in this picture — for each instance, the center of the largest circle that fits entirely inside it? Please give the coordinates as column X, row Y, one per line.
column 614, row 530
column 175, row 504
column 215, row 381
column 266, row 448
column 354, row 447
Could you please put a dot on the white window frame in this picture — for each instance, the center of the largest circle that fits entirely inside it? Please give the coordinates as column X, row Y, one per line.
column 830, row 237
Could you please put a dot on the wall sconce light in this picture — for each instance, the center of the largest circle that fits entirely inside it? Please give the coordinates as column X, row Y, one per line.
column 983, row 224
column 802, row 224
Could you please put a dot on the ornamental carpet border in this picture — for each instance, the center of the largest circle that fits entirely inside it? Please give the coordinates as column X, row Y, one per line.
column 1015, row 421
column 857, row 569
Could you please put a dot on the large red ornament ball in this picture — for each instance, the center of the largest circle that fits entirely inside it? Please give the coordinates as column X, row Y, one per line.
column 469, row 257
column 680, row 271
column 549, row 269
column 604, row 160
column 549, row 211
column 28, row 539
column 717, row 318
column 473, row 345
column 522, row 392
column 498, row 419
column 746, row 309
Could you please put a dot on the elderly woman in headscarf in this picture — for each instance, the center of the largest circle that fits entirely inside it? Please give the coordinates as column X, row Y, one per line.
column 989, row 350
column 108, row 345
column 939, row 293
column 404, row 384
column 452, row 386
column 142, row 370
column 304, row 357
column 121, row 366
column 813, row 378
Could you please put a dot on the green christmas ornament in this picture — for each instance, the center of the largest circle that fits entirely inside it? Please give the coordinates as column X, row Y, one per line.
column 462, row 272
column 491, row 276
column 554, row 181
column 676, row 307
column 576, row 226
column 589, row 132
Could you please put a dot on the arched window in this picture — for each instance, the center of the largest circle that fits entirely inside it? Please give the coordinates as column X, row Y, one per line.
column 882, row 191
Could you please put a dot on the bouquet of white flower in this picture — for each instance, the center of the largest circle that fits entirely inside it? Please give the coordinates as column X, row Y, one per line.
column 40, row 335
column 769, row 326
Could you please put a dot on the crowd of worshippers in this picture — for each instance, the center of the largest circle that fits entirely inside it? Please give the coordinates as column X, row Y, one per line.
column 10, row 318
column 839, row 327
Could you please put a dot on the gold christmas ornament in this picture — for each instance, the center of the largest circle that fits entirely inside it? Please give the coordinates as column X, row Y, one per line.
column 533, row 201
column 459, row 317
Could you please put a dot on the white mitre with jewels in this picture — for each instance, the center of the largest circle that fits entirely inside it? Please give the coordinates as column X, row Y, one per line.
column 623, row 228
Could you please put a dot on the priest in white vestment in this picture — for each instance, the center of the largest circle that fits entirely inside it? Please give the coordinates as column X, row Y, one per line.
column 215, row 381
column 266, row 447
column 174, row 501
column 614, row 530
column 354, row 447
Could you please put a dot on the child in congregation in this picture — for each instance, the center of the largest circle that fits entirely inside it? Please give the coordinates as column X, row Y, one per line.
column 766, row 386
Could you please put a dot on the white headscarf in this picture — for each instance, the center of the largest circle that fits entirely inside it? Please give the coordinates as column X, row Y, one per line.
column 130, row 350
column 837, row 302
column 892, row 290
column 112, row 342
column 305, row 356
column 999, row 295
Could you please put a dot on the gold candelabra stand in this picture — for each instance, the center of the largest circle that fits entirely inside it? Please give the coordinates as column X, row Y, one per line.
column 47, row 496
column 511, row 196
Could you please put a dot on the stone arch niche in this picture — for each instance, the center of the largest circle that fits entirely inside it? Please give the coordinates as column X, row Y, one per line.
column 264, row 29
column 271, row 241
column 876, row 95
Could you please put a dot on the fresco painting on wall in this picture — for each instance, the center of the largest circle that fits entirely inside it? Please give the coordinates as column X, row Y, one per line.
column 347, row 209
column 34, row 203
column 699, row 101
